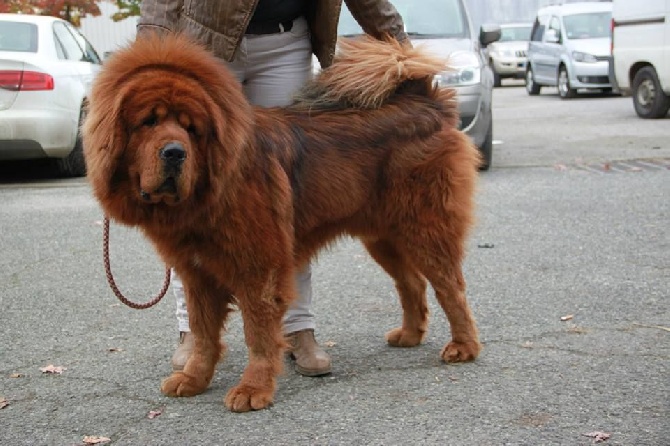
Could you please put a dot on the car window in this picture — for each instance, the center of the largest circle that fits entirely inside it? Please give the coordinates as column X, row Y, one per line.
column 18, row 36
column 555, row 24
column 539, row 26
column 428, row 18
column 69, row 45
column 90, row 55
column 587, row 26
column 514, row 34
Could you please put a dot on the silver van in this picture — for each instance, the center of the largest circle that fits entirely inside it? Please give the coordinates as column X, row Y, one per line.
column 444, row 28
column 570, row 48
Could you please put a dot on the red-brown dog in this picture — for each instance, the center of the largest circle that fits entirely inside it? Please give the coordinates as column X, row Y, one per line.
column 236, row 197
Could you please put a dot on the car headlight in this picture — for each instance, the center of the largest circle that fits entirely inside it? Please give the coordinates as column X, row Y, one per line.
column 584, row 57
column 464, row 70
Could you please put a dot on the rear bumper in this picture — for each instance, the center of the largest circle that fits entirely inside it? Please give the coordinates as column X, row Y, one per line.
column 35, row 134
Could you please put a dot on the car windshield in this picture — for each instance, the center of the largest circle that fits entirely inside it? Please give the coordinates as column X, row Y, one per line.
column 515, row 34
column 423, row 19
column 18, row 36
column 588, row 26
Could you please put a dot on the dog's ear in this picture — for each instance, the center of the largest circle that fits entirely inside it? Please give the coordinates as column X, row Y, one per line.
column 104, row 137
column 232, row 123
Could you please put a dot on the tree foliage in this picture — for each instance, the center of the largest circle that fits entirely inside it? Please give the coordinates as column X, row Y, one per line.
column 129, row 8
column 71, row 10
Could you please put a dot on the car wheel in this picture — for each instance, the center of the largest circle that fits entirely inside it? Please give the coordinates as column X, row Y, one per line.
column 73, row 165
column 565, row 91
column 531, row 86
column 497, row 82
column 486, row 149
column 648, row 98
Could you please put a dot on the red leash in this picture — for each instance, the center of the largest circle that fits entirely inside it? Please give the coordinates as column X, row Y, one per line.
column 112, row 284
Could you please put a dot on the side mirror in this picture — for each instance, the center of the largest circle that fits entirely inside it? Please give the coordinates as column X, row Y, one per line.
column 552, row 36
column 489, row 34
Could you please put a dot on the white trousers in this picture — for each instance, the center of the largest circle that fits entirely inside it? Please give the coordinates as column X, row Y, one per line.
column 271, row 68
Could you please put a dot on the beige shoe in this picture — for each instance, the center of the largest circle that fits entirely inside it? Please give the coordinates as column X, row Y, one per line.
column 310, row 359
column 183, row 351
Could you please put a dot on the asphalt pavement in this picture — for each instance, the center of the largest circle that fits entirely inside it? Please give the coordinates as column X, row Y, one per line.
column 568, row 275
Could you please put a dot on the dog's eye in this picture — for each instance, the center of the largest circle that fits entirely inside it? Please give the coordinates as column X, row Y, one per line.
column 151, row 121
column 192, row 130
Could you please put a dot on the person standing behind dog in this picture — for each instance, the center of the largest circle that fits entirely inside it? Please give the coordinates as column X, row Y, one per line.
column 268, row 45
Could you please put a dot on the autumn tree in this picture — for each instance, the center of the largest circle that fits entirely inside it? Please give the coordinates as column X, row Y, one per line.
column 126, row 9
column 71, row 10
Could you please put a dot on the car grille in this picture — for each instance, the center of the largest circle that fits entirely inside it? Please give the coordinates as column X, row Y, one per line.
column 520, row 53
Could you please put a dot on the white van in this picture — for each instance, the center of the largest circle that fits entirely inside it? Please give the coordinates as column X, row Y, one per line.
column 641, row 51
column 569, row 48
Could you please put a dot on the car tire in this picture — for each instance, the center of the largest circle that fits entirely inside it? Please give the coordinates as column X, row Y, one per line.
column 74, row 164
column 532, row 87
column 649, row 100
column 486, row 149
column 497, row 81
column 565, row 91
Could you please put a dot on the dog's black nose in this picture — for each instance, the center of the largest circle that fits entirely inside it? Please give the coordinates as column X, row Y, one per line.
column 173, row 153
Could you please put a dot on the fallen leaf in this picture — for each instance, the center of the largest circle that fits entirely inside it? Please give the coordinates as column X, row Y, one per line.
column 154, row 413
column 485, row 245
column 452, row 378
column 93, row 439
column 561, row 167
column 16, row 375
column 3, row 403
column 635, row 169
column 527, row 344
column 57, row 370
column 607, row 167
column 330, row 343
column 567, row 318
column 660, row 327
column 114, row 350
column 598, row 437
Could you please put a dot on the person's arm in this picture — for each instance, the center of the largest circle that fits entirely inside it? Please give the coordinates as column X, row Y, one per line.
column 378, row 18
column 160, row 16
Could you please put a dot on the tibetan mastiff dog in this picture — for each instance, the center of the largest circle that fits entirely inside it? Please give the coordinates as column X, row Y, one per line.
column 236, row 198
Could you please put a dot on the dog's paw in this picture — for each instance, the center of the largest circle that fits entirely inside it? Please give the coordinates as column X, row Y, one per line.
column 404, row 338
column 244, row 398
column 460, row 351
column 181, row 384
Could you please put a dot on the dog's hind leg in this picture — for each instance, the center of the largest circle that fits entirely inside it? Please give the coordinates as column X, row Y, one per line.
column 208, row 307
column 440, row 263
column 411, row 286
column 263, row 304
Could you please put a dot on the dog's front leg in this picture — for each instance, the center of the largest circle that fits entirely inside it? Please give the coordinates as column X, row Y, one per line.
column 263, row 302
column 208, row 307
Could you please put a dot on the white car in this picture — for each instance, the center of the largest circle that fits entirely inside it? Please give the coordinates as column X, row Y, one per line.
column 507, row 56
column 46, row 70
column 641, row 52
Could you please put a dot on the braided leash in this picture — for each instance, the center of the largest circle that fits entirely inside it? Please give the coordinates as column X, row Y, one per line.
column 112, row 284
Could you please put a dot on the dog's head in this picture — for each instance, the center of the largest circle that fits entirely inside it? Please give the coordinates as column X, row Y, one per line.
column 166, row 129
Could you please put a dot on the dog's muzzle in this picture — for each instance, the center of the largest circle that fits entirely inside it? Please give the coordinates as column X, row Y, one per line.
column 172, row 156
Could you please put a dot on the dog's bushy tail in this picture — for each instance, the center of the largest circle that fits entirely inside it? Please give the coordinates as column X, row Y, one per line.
column 366, row 71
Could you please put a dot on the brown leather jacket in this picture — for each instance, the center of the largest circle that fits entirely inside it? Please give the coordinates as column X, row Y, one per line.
column 221, row 24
